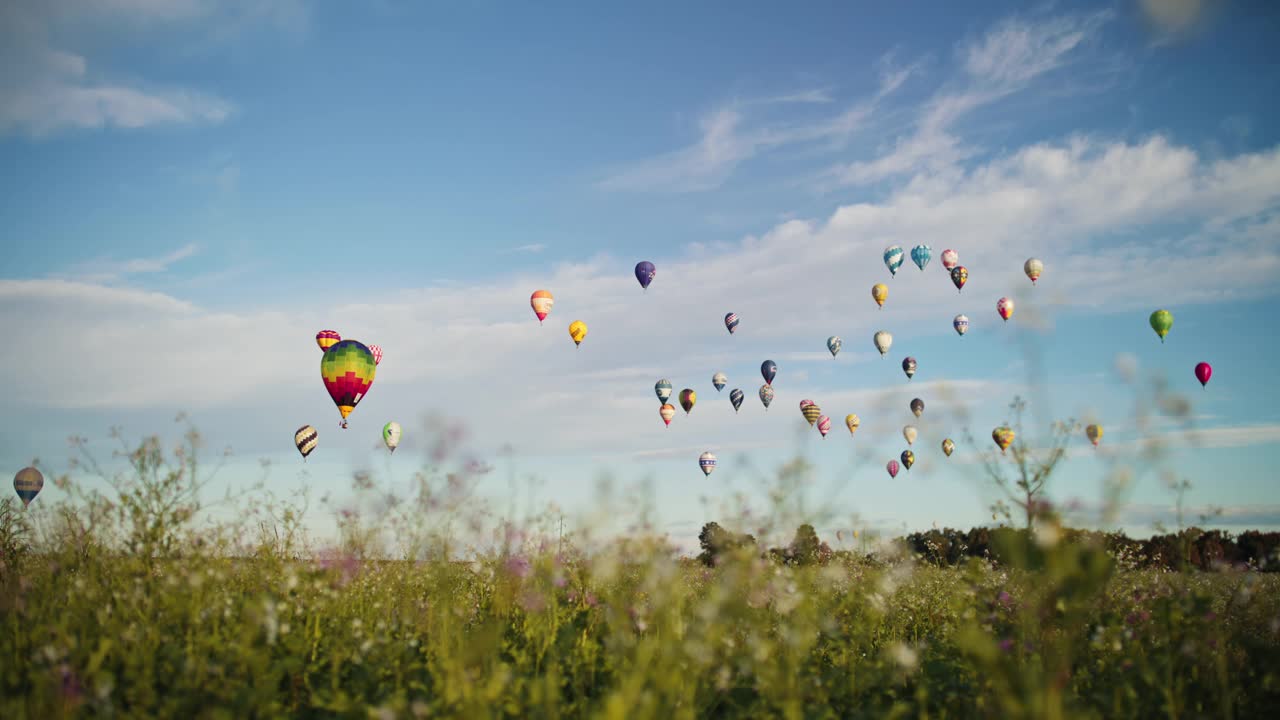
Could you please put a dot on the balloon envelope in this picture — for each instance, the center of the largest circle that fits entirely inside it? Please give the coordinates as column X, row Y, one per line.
column 305, row 440
column 541, row 302
column 377, row 354
column 908, row 458
column 327, row 338
column 577, row 331
column 1003, row 437
column 731, row 322
column 1161, row 321
column 959, row 276
column 909, row 432
column 948, row 446
column 768, row 370
column 645, row 272
column 893, row 258
column 917, row 407
column 707, row 462
column 892, row 467
column 834, row 344
column 883, row 340
column 961, row 324
column 663, row 390
column 347, row 370
column 687, row 398
column 667, row 411
column 810, row 410
column 719, row 380
column 766, row 395
column 1033, row 267
column 736, row 396
column 1094, row 433
column 920, row 255
column 1204, row 371
column 391, row 435
column 1004, row 306
column 949, row 259
column 824, row 425
column 852, row 422
column 27, row 483
column 880, row 293
column 909, row 366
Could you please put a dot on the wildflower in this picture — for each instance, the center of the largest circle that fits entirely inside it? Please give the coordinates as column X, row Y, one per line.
column 518, row 566
column 906, row 657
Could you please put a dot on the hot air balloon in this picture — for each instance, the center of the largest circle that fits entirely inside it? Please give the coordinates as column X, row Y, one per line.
column 1094, row 433
column 949, row 259
column 961, row 324
column 667, row 412
column 1003, row 436
column 920, row 255
column 644, row 273
column 834, row 344
column 883, row 341
column 908, row 458
column 1161, row 321
column 810, row 410
column 959, row 276
column 1004, row 306
column 917, row 407
column 880, row 293
column 27, row 483
column 893, row 259
column 347, row 370
column 719, row 380
column 731, row 322
column 909, row 367
column 892, row 467
column 541, row 302
column 327, row 338
column 852, row 422
column 736, row 396
column 376, row 351
column 824, row 425
column 766, row 395
column 1033, row 267
column 1204, row 371
column 577, row 331
column 909, row 432
column 948, row 446
column 707, row 462
column 305, row 440
column 663, row 389
column 687, row 398
column 391, row 435
column 768, row 370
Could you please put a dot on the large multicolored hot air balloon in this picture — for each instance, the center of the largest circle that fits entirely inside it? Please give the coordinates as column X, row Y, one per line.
column 1161, row 321
column 707, row 462
column 577, row 331
column 719, row 380
column 1004, row 306
column 376, row 351
column 824, row 425
column 834, row 343
column 687, row 398
column 920, row 255
column 917, row 407
column 908, row 458
column 892, row 467
column 645, row 272
column 27, row 483
column 541, row 302
column 959, row 276
column 663, row 390
column 768, row 371
column 909, row 367
column 1033, row 267
column 348, row 370
column 731, row 322
column 391, row 435
column 893, row 259
column 736, row 397
column 305, row 440
column 810, row 410
column 961, row 324
column 766, row 395
column 909, row 432
column 852, row 422
column 1094, row 433
column 947, row 447
column 327, row 339
column 1204, row 371
column 950, row 258
column 1003, row 436
column 880, row 293
column 883, row 340
column 667, row 411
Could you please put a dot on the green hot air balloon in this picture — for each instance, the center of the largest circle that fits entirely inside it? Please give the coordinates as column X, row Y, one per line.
column 1161, row 321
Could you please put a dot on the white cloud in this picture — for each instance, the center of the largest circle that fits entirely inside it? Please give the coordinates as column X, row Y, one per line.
column 104, row 271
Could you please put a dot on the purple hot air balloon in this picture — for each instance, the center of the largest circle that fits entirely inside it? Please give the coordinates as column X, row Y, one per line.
column 768, row 369
column 909, row 367
column 645, row 272
column 892, row 467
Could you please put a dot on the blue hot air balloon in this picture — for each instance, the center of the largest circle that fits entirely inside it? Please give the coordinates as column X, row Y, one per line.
column 768, row 369
column 663, row 390
column 645, row 272
column 921, row 255
column 893, row 259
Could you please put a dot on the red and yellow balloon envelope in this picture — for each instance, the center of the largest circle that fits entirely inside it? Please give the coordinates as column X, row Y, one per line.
column 1004, row 306
column 1003, row 436
column 27, row 483
column 541, row 302
column 687, row 399
column 667, row 412
column 810, row 410
column 348, row 370
column 327, row 339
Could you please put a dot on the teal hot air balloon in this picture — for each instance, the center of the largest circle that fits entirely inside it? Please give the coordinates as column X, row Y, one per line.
column 663, row 389
column 893, row 259
column 921, row 255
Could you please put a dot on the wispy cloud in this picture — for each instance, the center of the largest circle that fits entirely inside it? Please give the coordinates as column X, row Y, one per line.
column 528, row 249
column 106, row 271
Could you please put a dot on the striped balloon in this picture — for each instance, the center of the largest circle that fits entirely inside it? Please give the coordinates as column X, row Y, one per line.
column 731, row 322
column 810, row 410
column 893, row 259
column 305, row 440
column 707, row 462
column 667, row 411
column 541, row 302
column 824, row 425
column 27, row 483
column 663, row 390
column 327, row 338
column 920, row 255
column 736, row 396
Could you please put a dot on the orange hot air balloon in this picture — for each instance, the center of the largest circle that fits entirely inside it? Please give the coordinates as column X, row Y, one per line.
column 541, row 302
column 667, row 412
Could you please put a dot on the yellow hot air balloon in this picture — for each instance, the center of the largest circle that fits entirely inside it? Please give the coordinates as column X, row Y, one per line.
column 810, row 410
column 948, row 446
column 1003, row 436
column 880, row 293
column 1094, row 433
column 578, row 331
column 852, row 422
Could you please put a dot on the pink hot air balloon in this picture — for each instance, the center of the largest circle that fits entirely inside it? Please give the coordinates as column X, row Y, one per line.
column 950, row 259
column 824, row 425
column 377, row 354
column 1204, row 371
column 892, row 467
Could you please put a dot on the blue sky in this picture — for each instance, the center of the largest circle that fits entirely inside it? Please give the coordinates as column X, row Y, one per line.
column 189, row 190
